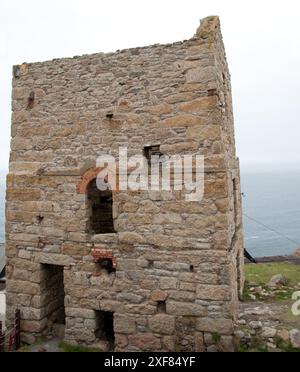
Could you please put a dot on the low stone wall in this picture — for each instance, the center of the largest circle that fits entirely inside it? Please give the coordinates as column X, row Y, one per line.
column 295, row 260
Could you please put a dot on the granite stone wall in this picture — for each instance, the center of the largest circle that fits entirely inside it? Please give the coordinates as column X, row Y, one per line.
column 176, row 266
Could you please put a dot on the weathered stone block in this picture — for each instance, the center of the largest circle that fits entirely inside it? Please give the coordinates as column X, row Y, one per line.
column 121, row 341
column 199, row 105
column 168, row 283
column 199, row 343
column 212, row 325
column 130, row 238
column 124, row 324
column 145, row 342
column 169, row 343
column 159, row 295
column 213, row 292
column 185, row 309
column 200, row 75
column 162, row 324
column 32, row 326
column 54, row 259
column 183, row 121
column 130, row 298
column 80, row 313
column 23, row 287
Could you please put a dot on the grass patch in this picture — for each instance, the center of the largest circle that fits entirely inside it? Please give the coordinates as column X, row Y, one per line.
column 40, row 340
column 67, row 348
column 216, row 338
column 288, row 348
column 256, row 345
column 24, row 349
column 262, row 273
column 279, row 295
column 246, row 293
column 260, row 346
column 285, row 347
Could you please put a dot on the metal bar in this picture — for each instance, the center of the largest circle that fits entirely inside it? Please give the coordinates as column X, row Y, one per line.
column 18, row 329
column 2, row 340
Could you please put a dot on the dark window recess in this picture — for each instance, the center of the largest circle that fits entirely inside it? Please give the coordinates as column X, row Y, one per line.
column 150, row 151
column 40, row 219
column 224, row 78
column 212, row 92
column 162, row 307
column 100, row 205
column 30, row 102
column 105, row 327
column 106, row 265
column 150, row 264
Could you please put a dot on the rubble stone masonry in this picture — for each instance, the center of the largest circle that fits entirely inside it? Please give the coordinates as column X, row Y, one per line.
column 176, row 266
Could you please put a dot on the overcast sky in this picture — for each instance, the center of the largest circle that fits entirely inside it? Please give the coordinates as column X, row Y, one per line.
column 262, row 39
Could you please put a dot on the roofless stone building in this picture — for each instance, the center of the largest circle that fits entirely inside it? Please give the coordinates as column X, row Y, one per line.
column 140, row 270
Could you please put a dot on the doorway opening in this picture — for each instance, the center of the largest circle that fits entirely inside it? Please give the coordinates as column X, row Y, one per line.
column 105, row 327
column 53, row 299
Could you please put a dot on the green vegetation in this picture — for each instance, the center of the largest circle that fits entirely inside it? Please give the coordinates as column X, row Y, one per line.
column 67, row 348
column 41, row 340
column 261, row 274
column 277, row 298
column 285, row 347
column 259, row 345
column 24, row 349
column 216, row 338
column 256, row 345
column 258, row 276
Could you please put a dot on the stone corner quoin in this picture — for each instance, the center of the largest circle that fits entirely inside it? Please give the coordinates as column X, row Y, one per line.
column 138, row 271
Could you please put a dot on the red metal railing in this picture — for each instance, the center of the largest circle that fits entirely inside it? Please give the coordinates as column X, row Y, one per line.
column 10, row 339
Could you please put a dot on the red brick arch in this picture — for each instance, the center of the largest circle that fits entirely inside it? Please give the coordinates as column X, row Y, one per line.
column 87, row 178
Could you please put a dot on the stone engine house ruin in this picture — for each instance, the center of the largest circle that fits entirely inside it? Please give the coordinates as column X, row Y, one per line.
column 144, row 271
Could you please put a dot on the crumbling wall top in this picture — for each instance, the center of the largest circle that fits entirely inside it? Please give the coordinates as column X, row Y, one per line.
column 207, row 26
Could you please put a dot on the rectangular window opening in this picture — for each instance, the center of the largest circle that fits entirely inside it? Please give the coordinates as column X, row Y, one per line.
column 100, row 205
column 150, row 151
column 105, row 327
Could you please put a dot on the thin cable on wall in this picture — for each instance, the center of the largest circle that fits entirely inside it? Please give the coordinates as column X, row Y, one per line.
column 272, row 230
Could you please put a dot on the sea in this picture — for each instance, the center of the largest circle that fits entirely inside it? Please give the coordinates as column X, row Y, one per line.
column 271, row 207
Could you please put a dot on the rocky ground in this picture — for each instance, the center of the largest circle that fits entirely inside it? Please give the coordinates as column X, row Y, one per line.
column 56, row 345
column 267, row 322
column 267, row 328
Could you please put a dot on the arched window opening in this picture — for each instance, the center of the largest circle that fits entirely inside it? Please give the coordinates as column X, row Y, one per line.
column 100, row 204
